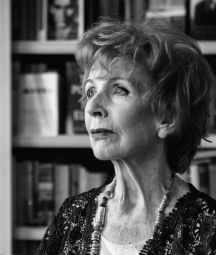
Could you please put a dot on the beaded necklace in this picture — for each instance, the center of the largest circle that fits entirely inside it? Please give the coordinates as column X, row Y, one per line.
column 98, row 223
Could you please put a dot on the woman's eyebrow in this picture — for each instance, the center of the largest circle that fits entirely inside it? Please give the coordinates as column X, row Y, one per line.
column 117, row 78
column 87, row 81
column 109, row 81
column 113, row 79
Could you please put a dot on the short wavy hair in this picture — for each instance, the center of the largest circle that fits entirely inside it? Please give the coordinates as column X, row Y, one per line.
column 181, row 79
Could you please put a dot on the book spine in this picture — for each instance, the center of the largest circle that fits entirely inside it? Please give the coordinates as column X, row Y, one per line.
column 96, row 179
column 16, row 20
column 62, row 179
column 41, row 20
column 212, row 179
column 128, row 10
column 32, row 19
column 212, row 117
column 23, row 20
column 74, row 180
column 24, row 193
column 45, row 188
column 81, row 17
column 204, row 177
column 75, row 122
column 83, row 180
column 199, row 175
column 194, row 175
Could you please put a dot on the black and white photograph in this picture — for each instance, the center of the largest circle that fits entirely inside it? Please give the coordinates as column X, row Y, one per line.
column 63, row 19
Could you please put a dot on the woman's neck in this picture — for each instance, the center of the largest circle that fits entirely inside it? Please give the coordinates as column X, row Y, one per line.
column 132, row 212
column 142, row 184
column 139, row 191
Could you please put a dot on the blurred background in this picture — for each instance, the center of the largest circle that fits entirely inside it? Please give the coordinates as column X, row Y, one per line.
column 45, row 154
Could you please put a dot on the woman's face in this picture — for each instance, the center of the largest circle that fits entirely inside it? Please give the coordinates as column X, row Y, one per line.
column 118, row 116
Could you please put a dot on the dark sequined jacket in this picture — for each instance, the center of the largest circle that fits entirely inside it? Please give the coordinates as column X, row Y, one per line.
column 189, row 229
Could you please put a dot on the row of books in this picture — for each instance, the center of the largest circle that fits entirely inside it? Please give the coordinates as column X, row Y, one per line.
column 44, row 103
column 202, row 174
column 195, row 17
column 202, row 16
column 40, row 189
column 64, row 20
column 59, row 19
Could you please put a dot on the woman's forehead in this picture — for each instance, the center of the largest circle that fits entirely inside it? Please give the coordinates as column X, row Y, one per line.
column 121, row 68
column 117, row 67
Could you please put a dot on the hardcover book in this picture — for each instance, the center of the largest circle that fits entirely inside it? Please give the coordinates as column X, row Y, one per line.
column 62, row 184
column 75, row 122
column 24, row 193
column 174, row 11
column 89, row 180
column 199, row 175
column 212, row 179
column 38, row 104
column 45, row 192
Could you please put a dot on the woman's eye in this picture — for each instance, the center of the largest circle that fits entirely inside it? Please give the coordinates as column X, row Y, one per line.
column 90, row 93
column 121, row 91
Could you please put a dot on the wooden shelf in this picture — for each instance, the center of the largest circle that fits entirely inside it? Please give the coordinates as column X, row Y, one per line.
column 75, row 141
column 29, row 233
column 207, row 145
column 208, row 47
column 68, row 47
column 205, row 154
column 44, row 47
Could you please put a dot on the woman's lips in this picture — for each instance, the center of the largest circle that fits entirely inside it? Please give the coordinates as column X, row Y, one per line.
column 101, row 133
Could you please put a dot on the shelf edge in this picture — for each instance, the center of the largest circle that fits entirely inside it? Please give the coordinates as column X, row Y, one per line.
column 75, row 141
column 44, row 47
column 29, row 233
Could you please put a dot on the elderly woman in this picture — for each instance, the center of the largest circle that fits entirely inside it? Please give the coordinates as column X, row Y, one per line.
column 147, row 89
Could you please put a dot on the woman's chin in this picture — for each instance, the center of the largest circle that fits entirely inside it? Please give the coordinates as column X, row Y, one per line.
column 102, row 154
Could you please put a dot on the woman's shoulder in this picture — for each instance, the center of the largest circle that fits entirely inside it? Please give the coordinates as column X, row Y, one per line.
column 79, row 201
column 202, row 203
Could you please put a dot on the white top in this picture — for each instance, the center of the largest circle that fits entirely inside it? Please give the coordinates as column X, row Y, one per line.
column 109, row 248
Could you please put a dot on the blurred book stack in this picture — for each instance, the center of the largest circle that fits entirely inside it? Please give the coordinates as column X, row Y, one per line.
column 42, row 187
column 202, row 19
column 202, row 174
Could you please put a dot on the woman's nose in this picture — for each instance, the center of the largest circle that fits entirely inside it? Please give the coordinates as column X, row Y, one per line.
column 96, row 106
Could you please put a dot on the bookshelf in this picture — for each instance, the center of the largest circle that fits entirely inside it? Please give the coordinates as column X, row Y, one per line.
column 55, row 144
column 44, row 47
column 55, row 47
column 7, row 142
column 77, row 141
column 208, row 47
column 204, row 154
column 61, row 141
column 207, row 145
column 29, row 233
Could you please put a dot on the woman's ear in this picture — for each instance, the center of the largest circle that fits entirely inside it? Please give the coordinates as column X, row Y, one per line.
column 166, row 128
